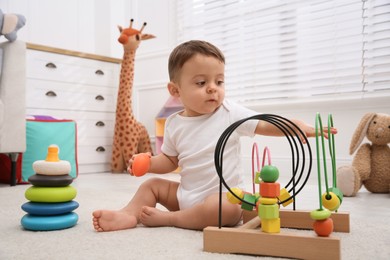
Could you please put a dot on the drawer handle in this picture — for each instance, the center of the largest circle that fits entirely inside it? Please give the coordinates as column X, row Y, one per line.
column 99, row 72
column 100, row 149
column 99, row 97
column 51, row 94
column 51, row 65
column 100, row 123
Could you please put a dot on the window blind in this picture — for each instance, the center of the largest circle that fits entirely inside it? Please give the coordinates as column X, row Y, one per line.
column 287, row 51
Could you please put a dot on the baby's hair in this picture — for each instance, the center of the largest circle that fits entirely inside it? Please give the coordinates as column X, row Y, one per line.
column 186, row 51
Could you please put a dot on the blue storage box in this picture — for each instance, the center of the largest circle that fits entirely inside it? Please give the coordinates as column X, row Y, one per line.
column 43, row 131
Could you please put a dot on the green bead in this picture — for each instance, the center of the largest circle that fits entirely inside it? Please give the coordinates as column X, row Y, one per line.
column 269, row 173
column 338, row 193
column 257, row 178
column 320, row 214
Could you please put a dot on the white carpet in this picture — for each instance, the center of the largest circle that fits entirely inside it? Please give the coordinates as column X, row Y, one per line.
column 369, row 237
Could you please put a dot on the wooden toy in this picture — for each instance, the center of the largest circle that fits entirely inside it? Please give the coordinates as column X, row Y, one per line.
column 271, row 240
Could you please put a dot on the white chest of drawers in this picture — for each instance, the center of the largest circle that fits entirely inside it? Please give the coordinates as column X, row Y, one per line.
column 78, row 86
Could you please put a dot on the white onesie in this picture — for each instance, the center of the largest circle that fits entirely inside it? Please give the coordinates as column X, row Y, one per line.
column 193, row 140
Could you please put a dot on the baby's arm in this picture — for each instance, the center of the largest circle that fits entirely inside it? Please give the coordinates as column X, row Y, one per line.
column 159, row 164
column 268, row 129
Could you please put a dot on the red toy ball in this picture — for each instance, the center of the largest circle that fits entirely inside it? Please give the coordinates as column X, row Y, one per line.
column 141, row 164
column 323, row 228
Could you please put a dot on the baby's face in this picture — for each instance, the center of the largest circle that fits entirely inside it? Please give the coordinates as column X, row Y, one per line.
column 201, row 86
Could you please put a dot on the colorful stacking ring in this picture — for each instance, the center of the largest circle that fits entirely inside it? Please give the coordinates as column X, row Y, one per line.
column 46, row 223
column 47, row 209
column 50, row 181
column 50, row 194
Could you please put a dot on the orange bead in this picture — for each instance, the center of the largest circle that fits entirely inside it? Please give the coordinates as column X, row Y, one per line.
column 330, row 201
column 141, row 164
column 323, row 228
column 269, row 189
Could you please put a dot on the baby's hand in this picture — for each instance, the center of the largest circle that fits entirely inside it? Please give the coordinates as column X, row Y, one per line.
column 139, row 164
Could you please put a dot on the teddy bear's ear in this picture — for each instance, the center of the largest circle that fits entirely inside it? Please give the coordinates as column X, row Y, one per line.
column 360, row 132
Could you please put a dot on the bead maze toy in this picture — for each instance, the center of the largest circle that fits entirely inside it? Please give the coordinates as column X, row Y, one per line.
column 51, row 203
column 271, row 240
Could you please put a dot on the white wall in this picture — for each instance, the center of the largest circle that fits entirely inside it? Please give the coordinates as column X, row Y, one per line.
column 90, row 26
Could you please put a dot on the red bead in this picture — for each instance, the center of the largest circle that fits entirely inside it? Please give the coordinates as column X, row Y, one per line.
column 323, row 228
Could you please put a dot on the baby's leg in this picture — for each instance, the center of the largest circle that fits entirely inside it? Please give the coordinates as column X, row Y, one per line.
column 198, row 217
column 150, row 193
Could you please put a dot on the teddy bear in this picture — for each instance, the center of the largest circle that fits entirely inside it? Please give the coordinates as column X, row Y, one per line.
column 371, row 163
column 10, row 24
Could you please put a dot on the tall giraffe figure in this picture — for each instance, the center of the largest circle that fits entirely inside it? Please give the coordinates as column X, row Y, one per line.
column 130, row 136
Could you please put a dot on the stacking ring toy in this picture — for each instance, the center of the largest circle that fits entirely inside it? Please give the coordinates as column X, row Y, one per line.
column 47, row 223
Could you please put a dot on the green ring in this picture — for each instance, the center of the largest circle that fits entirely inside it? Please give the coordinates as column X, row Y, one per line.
column 50, row 194
column 320, row 214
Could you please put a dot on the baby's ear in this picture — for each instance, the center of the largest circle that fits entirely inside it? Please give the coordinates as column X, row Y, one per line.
column 173, row 89
column 10, row 24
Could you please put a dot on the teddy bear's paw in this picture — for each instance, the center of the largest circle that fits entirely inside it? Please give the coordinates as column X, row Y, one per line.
column 348, row 181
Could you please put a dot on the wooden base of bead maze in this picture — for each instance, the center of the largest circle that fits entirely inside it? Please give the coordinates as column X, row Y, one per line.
column 247, row 239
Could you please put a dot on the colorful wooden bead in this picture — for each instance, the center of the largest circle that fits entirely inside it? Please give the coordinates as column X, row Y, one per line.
column 268, row 201
column 320, row 214
column 338, row 192
column 269, row 190
column 323, row 228
column 269, row 173
column 257, row 178
column 330, row 201
column 268, row 211
column 270, row 225
column 238, row 192
column 248, row 198
column 284, row 195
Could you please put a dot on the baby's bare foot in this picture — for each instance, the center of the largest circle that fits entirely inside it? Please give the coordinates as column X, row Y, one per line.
column 110, row 220
column 153, row 217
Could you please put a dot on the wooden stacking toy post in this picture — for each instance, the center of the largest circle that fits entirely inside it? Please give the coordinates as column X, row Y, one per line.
column 269, row 239
column 51, row 203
